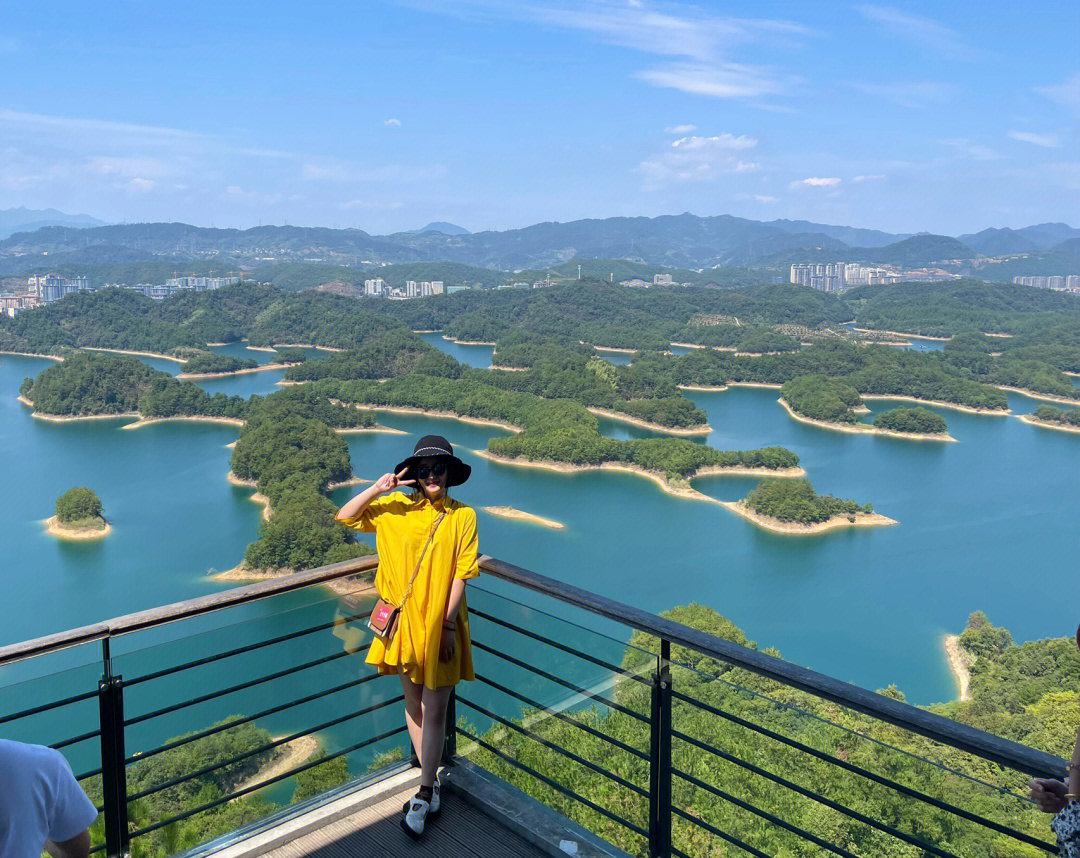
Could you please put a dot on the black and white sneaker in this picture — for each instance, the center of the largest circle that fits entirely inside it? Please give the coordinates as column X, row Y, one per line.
column 412, row 822
column 436, row 804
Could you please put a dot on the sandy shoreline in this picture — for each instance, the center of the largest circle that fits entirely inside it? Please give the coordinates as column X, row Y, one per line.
column 906, row 335
column 136, row 353
column 357, row 430
column 259, row 349
column 760, row 385
column 189, row 418
column 256, row 497
column 959, row 664
column 521, row 515
column 352, row 585
column 31, row 354
column 892, row 397
column 261, row 368
column 645, row 424
column 790, row 528
column 864, row 428
column 612, row 349
column 402, row 409
column 1046, row 424
column 468, row 342
column 305, row 346
column 75, row 534
column 1045, row 397
column 689, row 345
column 286, row 757
column 681, row 489
column 509, row 368
column 704, row 388
column 68, row 418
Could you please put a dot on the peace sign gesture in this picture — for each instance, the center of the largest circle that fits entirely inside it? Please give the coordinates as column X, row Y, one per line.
column 389, row 482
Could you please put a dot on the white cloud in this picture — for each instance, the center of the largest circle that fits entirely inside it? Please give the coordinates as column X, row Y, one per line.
column 763, row 198
column 716, row 80
column 925, row 32
column 238, row 194
column 140, row 185
column 973, row 150
column 384, row 205
column 912, row 94
column 1066, row 94
column 680, row 129
column 698, row 159
column 817, row 182
column 392, row 123
column 1047, row 141
column 872, row 178
column 705, row 40
column 720, row 141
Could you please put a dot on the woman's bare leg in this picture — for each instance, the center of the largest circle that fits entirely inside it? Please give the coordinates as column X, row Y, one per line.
column 433, row 726
column 414, row 713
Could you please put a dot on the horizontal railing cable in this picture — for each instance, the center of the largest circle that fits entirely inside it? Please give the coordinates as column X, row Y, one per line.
column 240, row 686
column 221, row 728
column 47, row 707
column 763, row 814
column 881, row 743
column 806, row 793
column 187, row 814
column 562, row 716
column 74, row 740
column 570, row 755
column 584, row 692
column 199, row 662
column 87, row 775
column 712, row 829
column 205, row 770
column 603, row 811
column 570, row 650
column 850, row 767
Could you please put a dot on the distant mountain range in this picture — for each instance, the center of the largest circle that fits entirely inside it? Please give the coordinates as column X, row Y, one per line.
column 441, row 226
column 676, row 241
column 29, row 220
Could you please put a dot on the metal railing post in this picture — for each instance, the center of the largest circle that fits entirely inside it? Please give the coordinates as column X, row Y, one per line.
column 660, row 757
column 450, row 742
column 113, row 771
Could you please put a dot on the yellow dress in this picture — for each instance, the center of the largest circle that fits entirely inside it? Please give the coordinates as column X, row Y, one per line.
column 401, row 525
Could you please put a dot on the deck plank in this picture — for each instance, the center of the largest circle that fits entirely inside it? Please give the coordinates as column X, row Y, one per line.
column 374, row 832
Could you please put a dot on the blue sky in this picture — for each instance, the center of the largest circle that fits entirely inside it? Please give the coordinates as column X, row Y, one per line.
column 496, row 114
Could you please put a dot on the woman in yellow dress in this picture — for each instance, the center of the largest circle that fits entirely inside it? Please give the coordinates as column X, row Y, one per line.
column 427, row 551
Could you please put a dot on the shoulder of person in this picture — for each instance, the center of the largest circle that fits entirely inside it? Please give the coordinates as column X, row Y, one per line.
column 40, row 760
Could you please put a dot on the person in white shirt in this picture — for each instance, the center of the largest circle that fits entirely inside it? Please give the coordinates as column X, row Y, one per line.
column 41, row 804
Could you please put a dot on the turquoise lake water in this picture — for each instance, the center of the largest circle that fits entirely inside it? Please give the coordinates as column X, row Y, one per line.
column 988, row 523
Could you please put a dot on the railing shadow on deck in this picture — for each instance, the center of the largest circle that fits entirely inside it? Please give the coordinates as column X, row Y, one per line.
column 661, row 739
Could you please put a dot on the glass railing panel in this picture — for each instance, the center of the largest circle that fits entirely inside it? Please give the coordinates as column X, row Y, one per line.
column 257, row 696
column 560, row 710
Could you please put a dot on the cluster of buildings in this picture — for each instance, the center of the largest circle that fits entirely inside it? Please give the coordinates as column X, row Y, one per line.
column 175, row 285
column 658, row 280
column 1058, row 283
column 378, row 288
column 835, row 276
column 46, row 288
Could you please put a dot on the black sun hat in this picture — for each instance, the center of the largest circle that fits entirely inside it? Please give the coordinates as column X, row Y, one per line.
column 436, row 446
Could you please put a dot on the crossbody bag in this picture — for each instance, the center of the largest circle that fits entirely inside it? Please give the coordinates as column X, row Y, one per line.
column 385, row 614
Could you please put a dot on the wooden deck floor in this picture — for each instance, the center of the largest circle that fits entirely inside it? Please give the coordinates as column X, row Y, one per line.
column 462, row 831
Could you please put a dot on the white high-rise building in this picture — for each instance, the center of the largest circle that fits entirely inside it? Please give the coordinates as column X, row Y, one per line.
column 375, row 286
column 412, row 289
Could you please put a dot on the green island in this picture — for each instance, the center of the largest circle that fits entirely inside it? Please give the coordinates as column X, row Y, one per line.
column 287, row 355
column 911, row 420
column 79, row 516
column 214, row 364
column 1030, row 693
column 793, row 507
column 1054, row 418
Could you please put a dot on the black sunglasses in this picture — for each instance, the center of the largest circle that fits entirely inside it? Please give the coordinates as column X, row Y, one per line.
column 436, row 469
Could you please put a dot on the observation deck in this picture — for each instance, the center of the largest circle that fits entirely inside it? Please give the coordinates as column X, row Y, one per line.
column 246, row 723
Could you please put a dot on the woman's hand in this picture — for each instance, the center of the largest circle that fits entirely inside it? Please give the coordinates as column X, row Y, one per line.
column 1049, row 795
column 389, row 482
column 448, row 644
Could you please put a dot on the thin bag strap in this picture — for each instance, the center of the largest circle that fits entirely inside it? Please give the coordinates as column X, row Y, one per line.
column 420, row 559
